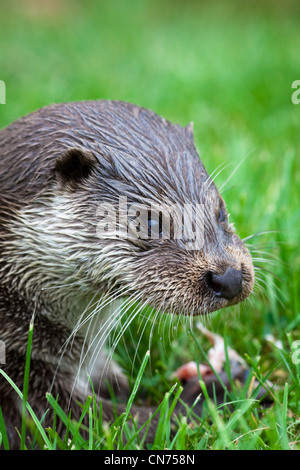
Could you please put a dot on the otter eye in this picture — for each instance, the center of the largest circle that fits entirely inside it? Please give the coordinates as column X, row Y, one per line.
column 154, row 228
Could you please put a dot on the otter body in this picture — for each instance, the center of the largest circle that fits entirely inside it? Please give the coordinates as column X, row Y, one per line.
column 60, row 263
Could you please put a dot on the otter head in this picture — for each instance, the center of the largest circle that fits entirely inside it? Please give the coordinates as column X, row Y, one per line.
column 117, row 202
column 155, row 226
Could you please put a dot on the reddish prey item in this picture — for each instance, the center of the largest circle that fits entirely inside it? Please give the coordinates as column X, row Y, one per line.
column 219, row 385
column 216, row 357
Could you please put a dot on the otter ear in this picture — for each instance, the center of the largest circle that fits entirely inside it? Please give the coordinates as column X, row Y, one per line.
column 74, row 165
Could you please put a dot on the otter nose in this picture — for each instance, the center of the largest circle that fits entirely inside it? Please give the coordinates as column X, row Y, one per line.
column 227, row 285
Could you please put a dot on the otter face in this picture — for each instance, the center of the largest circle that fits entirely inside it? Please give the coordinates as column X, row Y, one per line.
column 176, row 251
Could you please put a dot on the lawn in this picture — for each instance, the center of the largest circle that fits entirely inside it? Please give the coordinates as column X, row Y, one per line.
column 229, row 68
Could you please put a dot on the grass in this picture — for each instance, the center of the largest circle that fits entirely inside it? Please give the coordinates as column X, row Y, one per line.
column 240, row 423
column 227, row 66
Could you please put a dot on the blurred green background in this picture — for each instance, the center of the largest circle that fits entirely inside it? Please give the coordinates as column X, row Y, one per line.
column 226, row 66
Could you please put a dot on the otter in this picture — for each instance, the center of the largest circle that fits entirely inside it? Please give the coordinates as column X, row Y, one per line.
column 61, row 263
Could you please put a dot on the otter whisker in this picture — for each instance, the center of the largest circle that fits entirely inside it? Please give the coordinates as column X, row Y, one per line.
column 232, row 174
column 104, row 301
column 111, row 322
column 97, row 306
column 157, row 313
column 257, row 259
column 129, row 320
column 166, row 317
column 265, row 271
column 267, row 256
column 131, row 303
column 258, row 234
column 64, row 347
column 81, row 323
column 147, row 319
column 276, row 291
column 210, row 179
column 120, row 329
column 259, row 288
column 100, row 304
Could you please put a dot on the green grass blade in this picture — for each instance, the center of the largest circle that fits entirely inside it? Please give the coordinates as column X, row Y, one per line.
column 283, row 420
column 26, row 382
column 135, row 388
column 74, row 428
column 91, row 440
column 30, row 410
column 3, row 433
